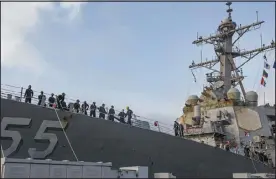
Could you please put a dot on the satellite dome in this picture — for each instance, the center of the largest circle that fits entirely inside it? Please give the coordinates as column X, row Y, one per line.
column 225, row 21
column 251, row 98
column 234, row 94
column 233, row 90
column 234, row 24
column 193, row 97
column 226, row 25
column 251, row 93
column 192, row 100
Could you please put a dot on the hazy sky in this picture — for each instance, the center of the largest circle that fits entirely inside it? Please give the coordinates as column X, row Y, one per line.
column 124, row 54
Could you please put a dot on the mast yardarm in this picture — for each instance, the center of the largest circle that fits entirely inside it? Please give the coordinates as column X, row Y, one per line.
column 229, row 74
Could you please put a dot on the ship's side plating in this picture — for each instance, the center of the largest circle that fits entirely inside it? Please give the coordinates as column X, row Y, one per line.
column 100, row 140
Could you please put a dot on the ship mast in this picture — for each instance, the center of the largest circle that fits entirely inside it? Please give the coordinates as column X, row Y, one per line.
column 229, row 74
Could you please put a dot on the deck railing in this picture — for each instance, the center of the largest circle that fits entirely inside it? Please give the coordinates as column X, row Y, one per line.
column 17, row 93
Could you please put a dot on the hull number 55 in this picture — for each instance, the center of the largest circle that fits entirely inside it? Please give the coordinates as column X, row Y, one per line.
column 41, row 135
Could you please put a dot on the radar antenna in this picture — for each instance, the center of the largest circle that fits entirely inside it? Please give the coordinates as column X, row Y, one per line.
column 223, row 45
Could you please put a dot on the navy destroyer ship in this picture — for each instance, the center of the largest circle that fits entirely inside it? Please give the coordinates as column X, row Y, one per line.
column 216, row 119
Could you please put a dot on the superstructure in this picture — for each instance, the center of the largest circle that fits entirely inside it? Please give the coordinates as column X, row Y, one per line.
column 222, row 116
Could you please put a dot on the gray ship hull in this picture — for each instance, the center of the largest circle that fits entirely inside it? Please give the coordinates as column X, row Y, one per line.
column 99, row 140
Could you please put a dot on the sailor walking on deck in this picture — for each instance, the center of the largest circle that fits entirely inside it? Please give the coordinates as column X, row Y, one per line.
column 84, row 107
column 102, row 112
column 111, row 113
column 28, row 94
column 129, row 115
column 93, row 108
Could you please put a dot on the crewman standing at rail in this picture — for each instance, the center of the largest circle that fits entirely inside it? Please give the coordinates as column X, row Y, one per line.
column 84, row 107
column 129, row 115
column 111, row 113
column 102, row 112
column 181, row 130
column 122, row 116
column 246, row 151
column 60, row 100
column 227, row 146
column 40, row 97
column 51, row 100
column 93, row 108
column 77, row 106
column 28, row 94
column 176, row 128
column 64, row 106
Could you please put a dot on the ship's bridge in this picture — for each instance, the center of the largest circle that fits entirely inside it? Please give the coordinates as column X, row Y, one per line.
column 212, row 127
column 211, row 134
